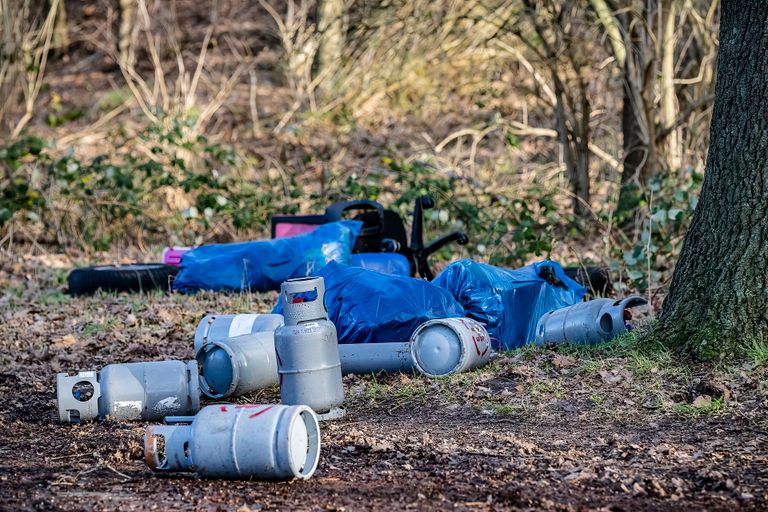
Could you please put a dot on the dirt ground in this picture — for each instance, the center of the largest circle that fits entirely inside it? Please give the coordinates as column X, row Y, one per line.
column 612, row 428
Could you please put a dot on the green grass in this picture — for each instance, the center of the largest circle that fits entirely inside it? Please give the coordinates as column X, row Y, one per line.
column 382, row 388
column 554, row 388
column 597, row 398
column 692, row 411
column 505, row 409
column 643, row 361
column 757, row 351
column 107, row 326
column 594, row 365
column 52, row 297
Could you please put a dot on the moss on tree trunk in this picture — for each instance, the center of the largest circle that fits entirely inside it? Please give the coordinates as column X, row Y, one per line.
column 718, row 300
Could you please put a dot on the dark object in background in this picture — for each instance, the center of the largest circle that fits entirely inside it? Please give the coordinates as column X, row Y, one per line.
column 383, row 231
column 597, row 280
column 138, row 277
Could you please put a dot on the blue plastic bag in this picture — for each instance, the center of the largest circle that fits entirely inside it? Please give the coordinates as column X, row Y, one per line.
column 509, row 302
column 384, row 262
column 263, row 264
column 371, row 307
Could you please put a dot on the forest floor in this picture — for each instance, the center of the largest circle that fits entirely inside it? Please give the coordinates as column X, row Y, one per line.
column 614, row 427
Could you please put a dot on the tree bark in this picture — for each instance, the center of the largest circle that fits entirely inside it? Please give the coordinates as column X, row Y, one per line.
column 637, row 123
column 61, row 28
column 126, row 36
column 331, row 27
column 673, row 150
column 718, row 300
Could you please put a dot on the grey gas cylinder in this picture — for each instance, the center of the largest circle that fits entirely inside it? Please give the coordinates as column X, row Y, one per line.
column 236, row 366
column 222, row 327
column 587, row 322
column 375, row 357
column 445, row 346
column 130, row 391
column 307, row 348
column 266, row 442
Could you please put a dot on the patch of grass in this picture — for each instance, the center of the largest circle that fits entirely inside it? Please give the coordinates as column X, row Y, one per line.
column 644, row 360
column 620, row 346
column 693, row 411
column 495, row 366
column 757, row 351
column 412, row 390
column 593, row 366
column 597, row 398
column 381, row 390
column 643, row 356
column 60, row 277
column 505, row 409
column 451, row 388
column 137, row 303
column 107, row 326
column 530, row 351
column 16, row 290
column 52, row 297
column 542, row 388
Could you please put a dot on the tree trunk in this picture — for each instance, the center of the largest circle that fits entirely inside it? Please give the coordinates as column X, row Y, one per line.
column 637, row 165
column 637, row 123
column 331, row 27
column 718, row 300
column 61, row 28
column 673, row 150
column 127, row 31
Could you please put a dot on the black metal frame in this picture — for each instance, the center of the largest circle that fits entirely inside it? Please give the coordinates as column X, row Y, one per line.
column 384, row 231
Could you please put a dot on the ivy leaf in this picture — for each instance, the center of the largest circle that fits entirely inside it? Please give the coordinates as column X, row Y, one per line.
column 675, row 214
column 659, row 216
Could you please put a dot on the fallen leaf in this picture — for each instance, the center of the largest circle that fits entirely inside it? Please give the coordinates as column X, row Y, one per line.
column 610, row 377
column 66, row 342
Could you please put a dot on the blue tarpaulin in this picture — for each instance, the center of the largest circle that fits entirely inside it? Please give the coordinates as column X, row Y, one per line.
column 509, row 302
column 371, row 307
column 264, row 264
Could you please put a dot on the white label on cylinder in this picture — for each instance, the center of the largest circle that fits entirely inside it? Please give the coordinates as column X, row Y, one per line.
column 128, row 408
column 241, row 324
column 168, row 404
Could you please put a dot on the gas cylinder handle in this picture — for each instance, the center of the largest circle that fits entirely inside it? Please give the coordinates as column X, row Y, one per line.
column 298, row 308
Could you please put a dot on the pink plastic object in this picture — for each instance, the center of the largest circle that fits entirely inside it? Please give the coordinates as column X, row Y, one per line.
column 287, row 229
column 172, row 255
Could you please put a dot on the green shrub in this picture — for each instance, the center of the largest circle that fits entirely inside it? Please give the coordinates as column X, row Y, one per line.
column 669, row 202
column 93, row 203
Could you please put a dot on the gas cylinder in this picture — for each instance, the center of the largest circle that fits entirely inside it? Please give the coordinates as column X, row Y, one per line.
column 236, row 366
column 444, row 346
column 267, row 442
column 307, row 348
column 129, row 391
column 222, row 327
column 587, row 322
column 375, row 357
